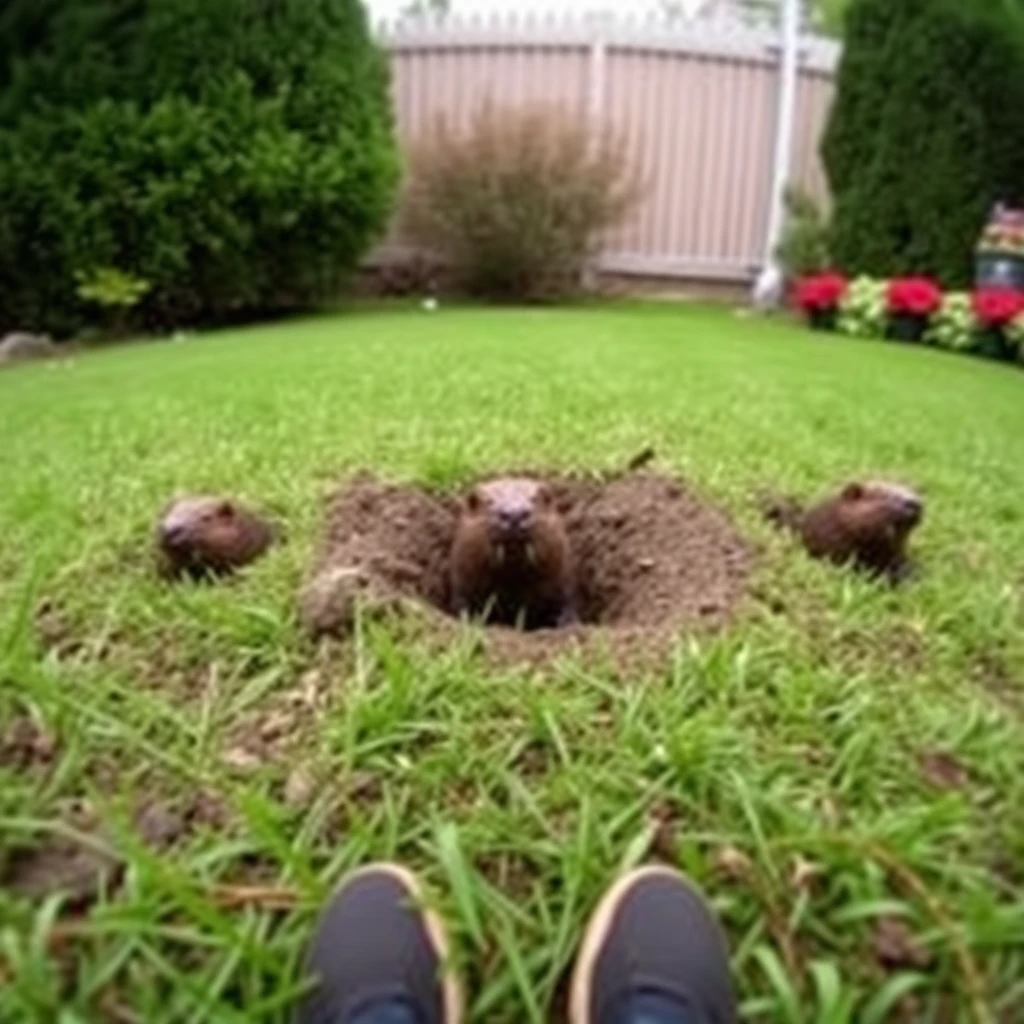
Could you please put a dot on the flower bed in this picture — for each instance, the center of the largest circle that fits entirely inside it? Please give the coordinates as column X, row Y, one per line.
column 988, row 321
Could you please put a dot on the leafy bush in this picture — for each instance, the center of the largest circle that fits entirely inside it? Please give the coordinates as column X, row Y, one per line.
column 237, row 156
column 115, row 292
column 517, row 204
column 804, row 248
column 923, row 138
column 414, row 275
column 953, row 326
column 111, row 288
column 863, row 311
column 1015, row 335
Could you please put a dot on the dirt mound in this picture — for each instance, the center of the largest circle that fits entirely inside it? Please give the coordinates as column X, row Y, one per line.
column 652, row 559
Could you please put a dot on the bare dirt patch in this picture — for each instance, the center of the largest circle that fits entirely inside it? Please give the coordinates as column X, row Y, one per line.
column 26, row 745
column 653, row 561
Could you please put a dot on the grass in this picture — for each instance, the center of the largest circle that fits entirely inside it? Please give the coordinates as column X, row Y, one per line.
column 780, row 763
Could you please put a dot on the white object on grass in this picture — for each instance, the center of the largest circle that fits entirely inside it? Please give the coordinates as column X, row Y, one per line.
column 768, row 288
column 430, row 305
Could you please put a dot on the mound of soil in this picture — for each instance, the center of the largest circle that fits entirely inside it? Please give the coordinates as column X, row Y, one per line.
column 652, row 561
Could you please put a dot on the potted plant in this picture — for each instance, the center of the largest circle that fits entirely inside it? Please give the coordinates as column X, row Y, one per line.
column 1000, row 255
column 819, row 297
column 910, row 303
column 994, row 310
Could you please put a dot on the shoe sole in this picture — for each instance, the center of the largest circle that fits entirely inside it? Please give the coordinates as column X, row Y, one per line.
column 451, row 985
column 600, row 924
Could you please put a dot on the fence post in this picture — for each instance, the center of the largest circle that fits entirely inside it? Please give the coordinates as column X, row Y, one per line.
column 769, row 283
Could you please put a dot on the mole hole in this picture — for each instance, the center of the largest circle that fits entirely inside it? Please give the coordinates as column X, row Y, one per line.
column 646, row 551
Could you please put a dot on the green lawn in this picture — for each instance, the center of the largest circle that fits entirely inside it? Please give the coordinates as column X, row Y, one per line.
column 780, row 763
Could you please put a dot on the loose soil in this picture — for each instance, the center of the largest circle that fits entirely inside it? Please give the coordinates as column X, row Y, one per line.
column 652, row 560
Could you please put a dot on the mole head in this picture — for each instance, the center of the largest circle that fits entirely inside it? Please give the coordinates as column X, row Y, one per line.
column 511, row 506
column 192, row 521
column 880, row 504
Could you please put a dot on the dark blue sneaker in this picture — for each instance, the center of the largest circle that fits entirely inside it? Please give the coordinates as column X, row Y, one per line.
column 653, row 953
column 379, row 957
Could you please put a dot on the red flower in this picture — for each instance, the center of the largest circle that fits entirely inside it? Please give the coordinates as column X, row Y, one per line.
column 913, row 296
column 820, row 292
column 996, row 307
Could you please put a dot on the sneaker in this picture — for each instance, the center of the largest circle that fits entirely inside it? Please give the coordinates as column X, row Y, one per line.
column 379, row 957
column 653, row 953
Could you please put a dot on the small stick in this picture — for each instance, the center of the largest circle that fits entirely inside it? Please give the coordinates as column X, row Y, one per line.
column 642, row 459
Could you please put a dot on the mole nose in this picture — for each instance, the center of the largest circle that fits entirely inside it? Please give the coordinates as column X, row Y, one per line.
column 173, row 536
column 514, row 518
column 913, row 508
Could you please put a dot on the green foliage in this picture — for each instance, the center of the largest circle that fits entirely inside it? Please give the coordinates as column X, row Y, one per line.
column 517, row 204
column 862, row 313
column 953, row 326
column 1015, row 335
column 238, row 156
column 829, row 16
column 110, row 287
column 804, row 248
column 923, row 136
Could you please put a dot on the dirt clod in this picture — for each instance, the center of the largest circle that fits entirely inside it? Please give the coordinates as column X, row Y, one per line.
column 300, row 786
column 25, row 744
column 241, row 760
column 160, row 824
column 943, row 770
column 77, row 871
column 898, row 948
column 652, row 560
column 732, row 864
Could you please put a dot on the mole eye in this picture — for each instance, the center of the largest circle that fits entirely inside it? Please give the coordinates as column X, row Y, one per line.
column 853, row 492
column 225, row 510
column 474, row 502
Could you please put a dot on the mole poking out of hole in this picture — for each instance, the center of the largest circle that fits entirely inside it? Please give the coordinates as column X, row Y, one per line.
column 204, row 536
column 636, row 559
column 866, row 524
column 511, row 562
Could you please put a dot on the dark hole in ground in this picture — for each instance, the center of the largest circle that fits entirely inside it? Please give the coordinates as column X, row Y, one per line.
column 652, row 559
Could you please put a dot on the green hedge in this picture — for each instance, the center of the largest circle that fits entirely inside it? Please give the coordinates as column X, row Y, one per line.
column 237, row 155
column 924, row 134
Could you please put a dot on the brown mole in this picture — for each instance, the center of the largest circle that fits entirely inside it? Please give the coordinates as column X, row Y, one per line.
column 511, row 561
column 865, row 524
column 204, row 535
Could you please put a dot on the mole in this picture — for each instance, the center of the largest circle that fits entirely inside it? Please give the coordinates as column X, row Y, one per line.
column 205, row 535
column 511, row 562
column 865, row 524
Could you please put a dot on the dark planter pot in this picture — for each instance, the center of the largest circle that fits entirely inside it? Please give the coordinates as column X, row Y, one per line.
column 992, row 343
column 823, row 319
column 999, row 270
column 906, row 327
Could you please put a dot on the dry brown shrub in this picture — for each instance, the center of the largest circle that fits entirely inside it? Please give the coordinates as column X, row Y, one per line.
column 517, row 203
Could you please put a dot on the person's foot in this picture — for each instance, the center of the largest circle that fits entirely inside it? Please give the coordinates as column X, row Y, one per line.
column 653, row 952
column 378, row 957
